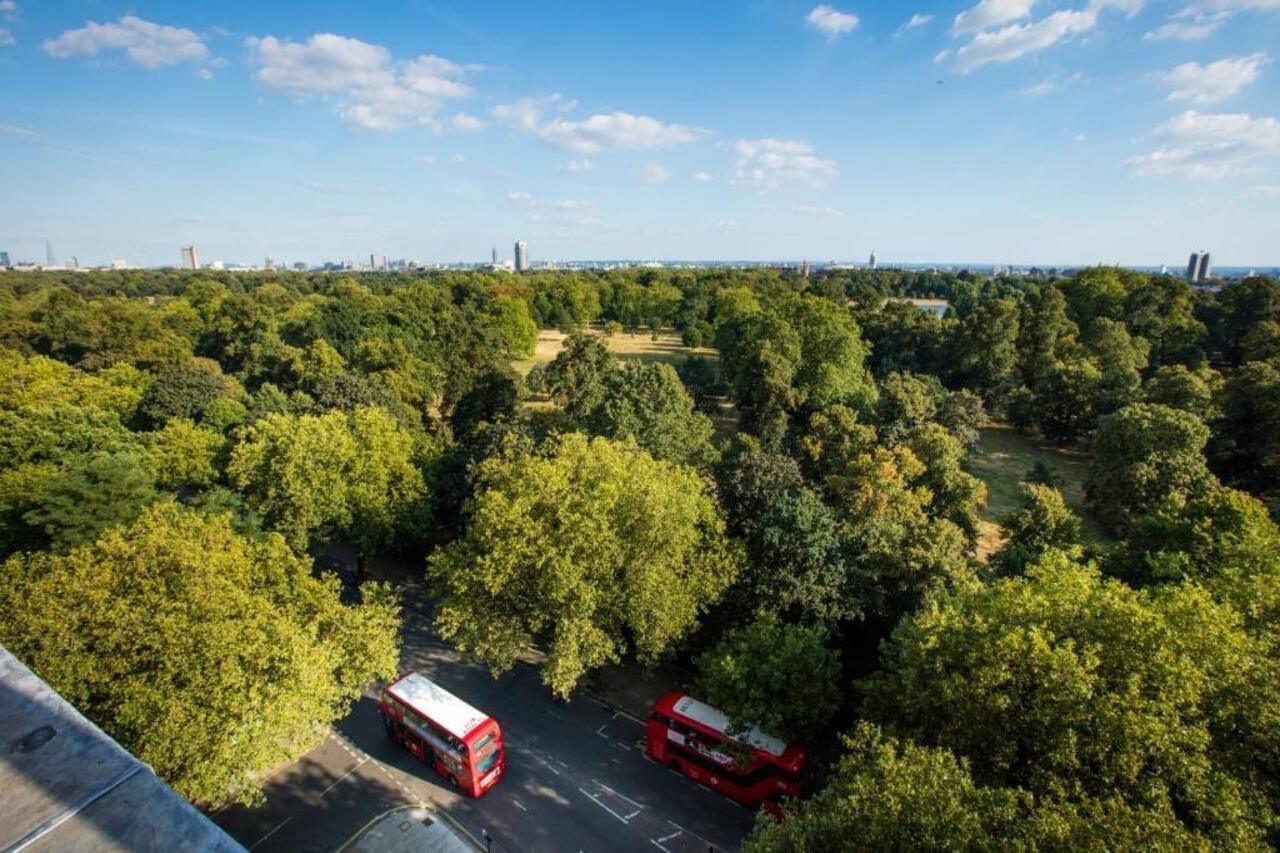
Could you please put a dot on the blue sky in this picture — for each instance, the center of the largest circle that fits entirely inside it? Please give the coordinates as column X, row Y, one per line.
column 1047, row 131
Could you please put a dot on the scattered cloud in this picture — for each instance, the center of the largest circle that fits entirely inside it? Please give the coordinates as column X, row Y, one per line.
column 8, row 8
column 831, row 22
column 1209, row 146
column 428, row 159
column 1081, row 137
column 1187, row 27
column 915, row 22
column 616, row 130
column 520, row 197
column 205, row 74
column 1209, row 84
column 768, row 163
column 603, row 131
column 148, row 44
column 466, row 123
column 990, row 13
column 1017, row 40
column 727, row 223
column 1051, row 85
column 374, row 91
column 458, row 159
column 703, row 177
column 6, row 38
column 583, row 165
column 18, row 132
column 654, row 173
column 811, row 210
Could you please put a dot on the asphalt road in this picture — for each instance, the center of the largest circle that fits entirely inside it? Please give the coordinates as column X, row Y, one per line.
column 577, row 777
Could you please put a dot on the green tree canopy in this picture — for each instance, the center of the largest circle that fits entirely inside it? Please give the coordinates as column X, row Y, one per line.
column 1044, row 522
column 589, row 549
column 649, row 403
column 1144, row 454
column 212, row 657
column 782, row 678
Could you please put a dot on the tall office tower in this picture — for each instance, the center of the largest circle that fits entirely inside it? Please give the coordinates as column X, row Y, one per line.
column 4, row 260
column 495, row 256
column 190, row 258
column 73, row 263
column 1205, row 272
column 872, row 263
column 48, row 255
column 1193, row 266
column 378, row 262
column 522, row 256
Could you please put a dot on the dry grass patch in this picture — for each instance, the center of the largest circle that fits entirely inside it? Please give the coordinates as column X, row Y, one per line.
column 668, row 349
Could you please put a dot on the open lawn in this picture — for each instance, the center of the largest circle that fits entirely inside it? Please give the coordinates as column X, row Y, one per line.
column 667, row 348
column 1002, row 459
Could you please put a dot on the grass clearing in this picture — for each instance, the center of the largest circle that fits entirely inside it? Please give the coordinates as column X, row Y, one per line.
column 667, row 349
column 1002, row 459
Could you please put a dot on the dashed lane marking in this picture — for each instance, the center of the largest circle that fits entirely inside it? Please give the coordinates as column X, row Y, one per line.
column 335, row 782
column 593, row 798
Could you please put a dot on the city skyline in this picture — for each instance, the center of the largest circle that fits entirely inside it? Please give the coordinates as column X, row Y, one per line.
column 1060, row 132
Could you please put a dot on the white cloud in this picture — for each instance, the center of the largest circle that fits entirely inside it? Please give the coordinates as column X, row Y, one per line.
column 148, row 44
column 703, row 177
column 1081, row 137
column 520, row 197
column 464, row 122
column 458, row 159
column 915, row 22
column 811, row 210
column 831, row 22
column 1209, row 146
column 990, row 13
column 8, row 7
column 374, row 91
column 1050, row 85
column 654, row 173
column 583, row 165
column 768, row 163
column 615, row 130
column 1193, row 28
column 1217, row 81
column 727, row 223
column 19, row 132
column 6, row 38
column 205, row 74
column 1018, row 40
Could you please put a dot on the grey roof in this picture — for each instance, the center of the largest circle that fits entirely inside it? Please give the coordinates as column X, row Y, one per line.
column 66, row 785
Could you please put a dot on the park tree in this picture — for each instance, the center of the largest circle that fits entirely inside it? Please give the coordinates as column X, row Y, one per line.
column 964, row 416
column 328, row 475
column 749, row 479
column 1161, row 310
column 898, row 553
column 1064, row 401
column 214, row 658
column 1143, row 455
column 1046, row 335
column 39, row 381
column 1042, row 523
column 782, row 678
column 1121, row 359
column 181, row 391
column 985, row 354
column 1073, row 687
column 955, row 494
column 1095, row 293
column 88, row 494
column 833, row 438
column 1179, row 388
column 591, row 550
column 514, row 324
column 649, row 403
column 575, row 379
column 185, row 455
column 495, row 396
column 1246, row 442
column 796, row 563
column 906, row 402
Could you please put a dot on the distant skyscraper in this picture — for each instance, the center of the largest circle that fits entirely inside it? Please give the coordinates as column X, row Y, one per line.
column 48, row 255
column 378, row 262
column 1199, row 267
column 73, row 263
column 119, row 264
column 190, row 258
column 872, row 262
column 4, row 260
column 495, row 256
column 522, row 256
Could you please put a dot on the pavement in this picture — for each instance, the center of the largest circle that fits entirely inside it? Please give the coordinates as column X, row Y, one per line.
column 409, row 829
column 577, row 776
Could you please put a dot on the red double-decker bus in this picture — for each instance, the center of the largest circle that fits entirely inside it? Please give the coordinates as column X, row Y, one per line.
column 754, row 769
column 461, row 743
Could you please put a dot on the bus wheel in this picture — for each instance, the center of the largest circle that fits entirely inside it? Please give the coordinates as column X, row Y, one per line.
column 389, row 726
column 453, row 781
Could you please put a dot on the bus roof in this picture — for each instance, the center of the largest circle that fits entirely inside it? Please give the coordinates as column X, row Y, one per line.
column 431, row 700
column 704, row 714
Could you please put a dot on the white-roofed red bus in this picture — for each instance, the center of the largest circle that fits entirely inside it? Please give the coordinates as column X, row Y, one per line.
column 754, row 769
column 461, row 743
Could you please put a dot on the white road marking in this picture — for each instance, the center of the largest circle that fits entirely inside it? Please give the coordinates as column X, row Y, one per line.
column 345, row 775
column 594, row 799
column 272, row 832
column 519, row 805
